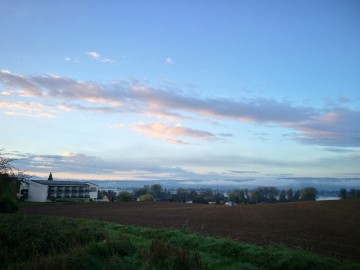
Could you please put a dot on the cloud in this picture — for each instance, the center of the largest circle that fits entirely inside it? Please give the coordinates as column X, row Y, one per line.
column 94, row 55
column 141, row 99
column 69, row 59
column 70, row 107
column 66, row 162
column 225, row 134
column 31, row 109
column 328, row 127
column 169, row 61
column 98, row 57
column 243, row 172
column 338, row 128
column 170, row 133
column 338, row 150
column 79, row 165
column 130, row 165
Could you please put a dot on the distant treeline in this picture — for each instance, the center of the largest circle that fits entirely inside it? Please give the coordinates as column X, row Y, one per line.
column 263, row 194
column 351, row 194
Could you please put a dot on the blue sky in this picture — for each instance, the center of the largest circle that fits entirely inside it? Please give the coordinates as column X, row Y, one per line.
column 208, row 90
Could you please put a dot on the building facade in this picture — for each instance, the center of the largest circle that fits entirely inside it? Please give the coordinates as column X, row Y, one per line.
column 49, row 190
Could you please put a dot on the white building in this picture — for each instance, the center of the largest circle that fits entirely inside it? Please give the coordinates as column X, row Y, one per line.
column 44, row 190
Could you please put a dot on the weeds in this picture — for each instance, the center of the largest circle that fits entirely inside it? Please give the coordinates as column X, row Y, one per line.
column 163, row 255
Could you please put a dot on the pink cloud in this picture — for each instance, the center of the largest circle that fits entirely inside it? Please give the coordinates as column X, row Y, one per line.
column 32, row 109
column 172, row 133
column 338, row 128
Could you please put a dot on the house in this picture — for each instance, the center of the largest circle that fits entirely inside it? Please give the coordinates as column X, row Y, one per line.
column 108, row 198
column 45, row 190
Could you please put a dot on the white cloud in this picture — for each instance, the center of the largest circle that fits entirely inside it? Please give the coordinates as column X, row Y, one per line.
column 94, row 55
column 69, row 59
column 169, row 61
column 98, row 57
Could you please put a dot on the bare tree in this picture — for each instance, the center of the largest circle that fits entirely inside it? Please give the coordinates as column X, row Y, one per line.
column 5, row 165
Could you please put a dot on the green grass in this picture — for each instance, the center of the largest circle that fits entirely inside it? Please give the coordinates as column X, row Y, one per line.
column 43, row 242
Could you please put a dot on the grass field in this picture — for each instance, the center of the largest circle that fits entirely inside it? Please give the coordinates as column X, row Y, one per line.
column 45, row 242
column 329, row 228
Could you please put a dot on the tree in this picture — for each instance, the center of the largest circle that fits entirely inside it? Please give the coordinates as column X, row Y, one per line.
column 296, row 196
column 290, row 194
column 110, row 194
column 141, row 191
column 5, row 165
column 156, row 191
column 354, row 193
column 273, row 192
column 343, row 193
column 50, row 178
column 219, row 197
column 146, row 197
column 282, row 196
column 308, row 194
column 181, row 195
column 237, row 196
column 10, row 182
column 124, row 196
column 264, row 194
column 7, row 193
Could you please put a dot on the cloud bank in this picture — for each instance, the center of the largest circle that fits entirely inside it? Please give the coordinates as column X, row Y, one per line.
column 327, row 127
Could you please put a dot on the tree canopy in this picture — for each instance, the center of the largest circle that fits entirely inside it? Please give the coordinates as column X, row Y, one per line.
column 10, row 181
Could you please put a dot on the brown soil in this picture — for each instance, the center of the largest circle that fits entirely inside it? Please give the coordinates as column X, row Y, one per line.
column 328, row 227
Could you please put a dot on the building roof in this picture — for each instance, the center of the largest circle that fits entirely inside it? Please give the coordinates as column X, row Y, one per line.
column 87, row 182
column 59, row 183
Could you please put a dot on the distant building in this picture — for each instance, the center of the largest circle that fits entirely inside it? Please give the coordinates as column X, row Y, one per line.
column 50, row 190
column 108, row 198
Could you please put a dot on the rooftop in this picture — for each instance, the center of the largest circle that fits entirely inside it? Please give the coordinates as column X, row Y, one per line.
column 60, row 183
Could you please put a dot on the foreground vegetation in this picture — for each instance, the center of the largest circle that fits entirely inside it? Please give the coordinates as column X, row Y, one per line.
column 43, row 242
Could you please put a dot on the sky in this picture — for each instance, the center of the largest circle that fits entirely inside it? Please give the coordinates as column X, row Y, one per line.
column 182, row 90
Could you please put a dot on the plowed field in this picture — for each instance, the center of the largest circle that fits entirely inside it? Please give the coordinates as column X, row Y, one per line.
column 328, row 227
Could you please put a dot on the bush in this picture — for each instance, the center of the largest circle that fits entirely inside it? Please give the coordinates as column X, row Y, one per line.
column 166, row 256
column 8, row 206
column 146, row 197
column 7, row 193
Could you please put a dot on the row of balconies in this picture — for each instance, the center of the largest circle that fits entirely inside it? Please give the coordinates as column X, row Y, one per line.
column 61, row 193
column 68, row 197
column 68, row 189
